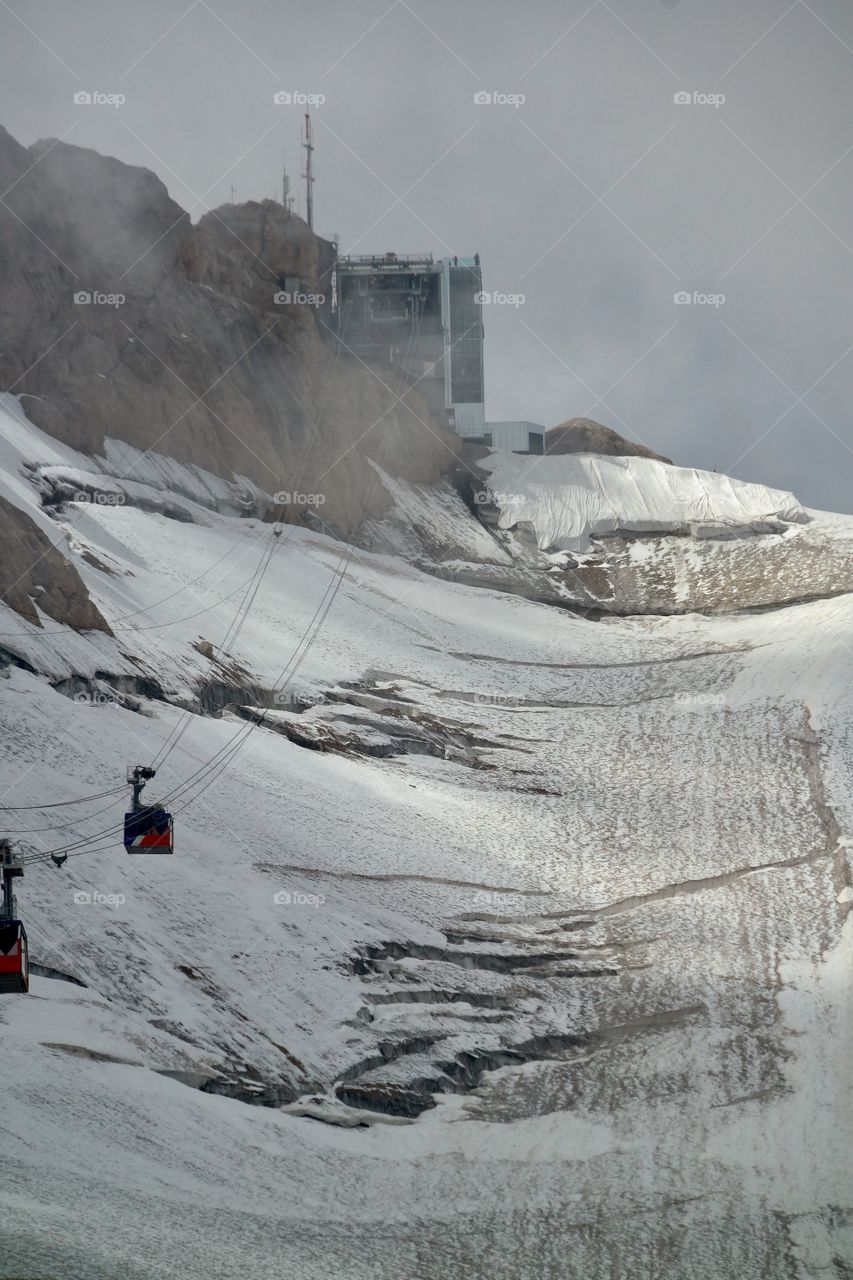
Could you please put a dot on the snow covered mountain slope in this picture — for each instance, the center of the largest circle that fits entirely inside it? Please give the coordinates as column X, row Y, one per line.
column 568, row 902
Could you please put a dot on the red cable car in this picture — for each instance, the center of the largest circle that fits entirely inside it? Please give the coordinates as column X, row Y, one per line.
column 14, row 958
column 148, row 830
column 147, row 827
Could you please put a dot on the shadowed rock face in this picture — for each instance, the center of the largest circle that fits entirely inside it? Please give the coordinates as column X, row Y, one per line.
column 199, row 361
column 583, row 435
column 32, row 570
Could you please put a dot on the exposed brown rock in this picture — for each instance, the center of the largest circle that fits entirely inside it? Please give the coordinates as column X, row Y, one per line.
column 31, row 569
column 199, row 363
column 583, row 435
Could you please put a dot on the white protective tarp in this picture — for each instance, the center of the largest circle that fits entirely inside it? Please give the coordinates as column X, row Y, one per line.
column 568, row 497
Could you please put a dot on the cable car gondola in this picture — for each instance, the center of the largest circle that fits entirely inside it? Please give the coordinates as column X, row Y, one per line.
column 148, row 830
column 14, row 958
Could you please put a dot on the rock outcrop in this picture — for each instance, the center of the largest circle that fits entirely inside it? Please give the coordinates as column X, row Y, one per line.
column 183, row 347
column 33, row 572
column 583, row 435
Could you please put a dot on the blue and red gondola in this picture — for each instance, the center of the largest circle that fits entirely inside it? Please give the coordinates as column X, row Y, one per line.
column 148, row 830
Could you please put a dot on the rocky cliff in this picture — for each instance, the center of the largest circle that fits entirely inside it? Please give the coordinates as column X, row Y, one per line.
column 183, row 347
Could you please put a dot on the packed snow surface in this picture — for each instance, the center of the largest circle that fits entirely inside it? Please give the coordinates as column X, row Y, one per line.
column 619, row 885
column 568, row 498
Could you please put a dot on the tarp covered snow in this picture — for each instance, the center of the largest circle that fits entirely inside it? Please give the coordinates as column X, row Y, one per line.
column 570, row 497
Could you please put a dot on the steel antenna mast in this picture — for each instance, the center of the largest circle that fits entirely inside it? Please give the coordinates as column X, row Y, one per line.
column 308, row 175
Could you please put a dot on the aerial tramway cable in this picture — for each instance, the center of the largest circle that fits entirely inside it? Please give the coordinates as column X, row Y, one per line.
column 59, row 804
column 221, row 759
column 343, row 565
column 114, row 624
column 237, row 623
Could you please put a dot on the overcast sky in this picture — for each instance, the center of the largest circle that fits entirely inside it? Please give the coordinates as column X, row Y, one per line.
column 597, row 198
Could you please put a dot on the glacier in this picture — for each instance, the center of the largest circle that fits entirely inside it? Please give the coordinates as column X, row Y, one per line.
column 582, row 936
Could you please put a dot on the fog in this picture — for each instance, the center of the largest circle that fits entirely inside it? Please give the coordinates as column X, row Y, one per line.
column 593, row 192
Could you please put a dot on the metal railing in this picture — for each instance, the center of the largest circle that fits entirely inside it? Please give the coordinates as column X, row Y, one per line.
column 377, row 261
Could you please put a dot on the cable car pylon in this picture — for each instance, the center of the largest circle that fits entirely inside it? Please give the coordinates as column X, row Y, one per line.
column 14, row 956
column 147, row 828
